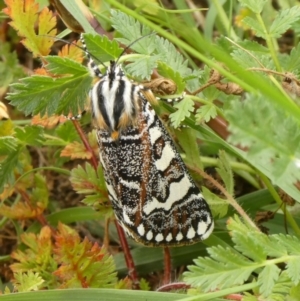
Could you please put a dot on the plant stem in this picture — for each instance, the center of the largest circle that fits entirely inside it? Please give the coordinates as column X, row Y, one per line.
column 279, row 201
column 167, row 265
column 128, row 257
column 229, row 197
column 269, row 43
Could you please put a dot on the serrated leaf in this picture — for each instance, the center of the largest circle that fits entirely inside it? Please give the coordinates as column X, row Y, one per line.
column 101, row 48
column 72, row 52
column 225, row 268
column 218, row 206
column 225, row 171
column 24, row 19
column 75, row 150
column 267, row 279
column 249, row 244
column 82, row 264
column 206, row 113
column 293, row 270
column 35, row 203
column 171, row 56
column 37, row 257
column 47, row 122
column 7, row 167
column 255, row 5
column 46, row 95
column 142, row 67
column 294, row 59
column 132, row 30
column 284, row 20
column 10, row 70
column 272, row 141
column 7, row 145
column 26, row 282
column 30, row 135
column 67, row 133
column 255, row 26
column 88, row 181
column 185, row 107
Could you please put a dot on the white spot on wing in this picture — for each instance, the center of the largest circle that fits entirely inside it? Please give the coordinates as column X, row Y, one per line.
column 141, row 229
column 179, row 236
column 149, row 235
column 167, row 155
column 169, row 237
column 191, row 233
column 127, row 219
column 154, row 133
column 159, row 237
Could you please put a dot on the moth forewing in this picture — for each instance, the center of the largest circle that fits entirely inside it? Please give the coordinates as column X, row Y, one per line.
column 152, row 193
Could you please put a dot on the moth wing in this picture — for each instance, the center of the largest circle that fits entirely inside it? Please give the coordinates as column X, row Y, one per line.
column 153, row 195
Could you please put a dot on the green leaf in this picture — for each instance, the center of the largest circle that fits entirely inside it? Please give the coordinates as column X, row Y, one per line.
column 29, row 281
column 8, row 144
column 255, row 5
column 9, row 67
column 133, row 30
column 225, row 268
column 142, row 67
column 206, row 113
column 7, row 167
column 293, row 270
column 256, row 26
column 66, row 133
column 88, row 181
column 30, row 135
column 294, row 59
column 225, row 171
column 101, row 48
column 187, row 139
column 217, row 205
column 185, row 107
column 267, row 279
column 171, row 56
column 271, row 141
column 46, row 95
column 284, row 20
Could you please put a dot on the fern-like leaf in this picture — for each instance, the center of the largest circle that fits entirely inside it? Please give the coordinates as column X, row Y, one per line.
column 82, row 264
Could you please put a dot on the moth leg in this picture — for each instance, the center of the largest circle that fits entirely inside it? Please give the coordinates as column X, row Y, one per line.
column 76, row 117
column 172, row 100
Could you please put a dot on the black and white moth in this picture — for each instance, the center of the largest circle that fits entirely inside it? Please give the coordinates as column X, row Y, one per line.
column 152, row 193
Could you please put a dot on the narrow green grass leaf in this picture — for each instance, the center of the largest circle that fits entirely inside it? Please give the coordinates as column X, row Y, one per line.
column 92, row 295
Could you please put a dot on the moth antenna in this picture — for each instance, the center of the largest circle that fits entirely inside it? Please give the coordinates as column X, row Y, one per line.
column 84, row 48
column 132, row 43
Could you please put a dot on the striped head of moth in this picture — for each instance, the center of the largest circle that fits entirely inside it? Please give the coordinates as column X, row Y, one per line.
column 115, row 99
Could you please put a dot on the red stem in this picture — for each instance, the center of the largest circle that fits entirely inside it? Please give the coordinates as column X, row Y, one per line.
column 82, row 136
column 167, row 264
column 128, row 258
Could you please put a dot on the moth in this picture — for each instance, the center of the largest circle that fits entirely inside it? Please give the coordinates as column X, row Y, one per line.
column 154, row 198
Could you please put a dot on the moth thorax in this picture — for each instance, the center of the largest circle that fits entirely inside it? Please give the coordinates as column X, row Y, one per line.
column 115, row 105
